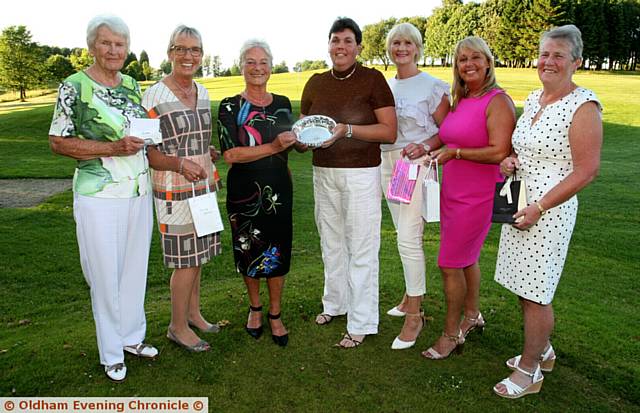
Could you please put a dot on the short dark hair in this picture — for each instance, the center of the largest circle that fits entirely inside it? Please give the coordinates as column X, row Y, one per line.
column 343, row 23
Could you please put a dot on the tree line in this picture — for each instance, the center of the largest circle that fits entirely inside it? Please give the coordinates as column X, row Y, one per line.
column 610, row 30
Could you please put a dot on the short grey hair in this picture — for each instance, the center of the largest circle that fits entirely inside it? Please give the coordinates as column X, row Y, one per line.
column 406, row 31
column 568, row 33
column 114, row 23
column 185, row 30
column 250, row 44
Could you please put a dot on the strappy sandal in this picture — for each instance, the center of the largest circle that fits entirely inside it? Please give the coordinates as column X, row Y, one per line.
column 432, row 354
column 254, row 332
column 323, row 319
column 402, row 345
column 514, row 391
column 476, row 323
column 354, row 343
column 279, row 340
column 547, row 360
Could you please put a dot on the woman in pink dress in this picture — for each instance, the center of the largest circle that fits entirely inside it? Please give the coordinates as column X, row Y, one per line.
column 477, row 136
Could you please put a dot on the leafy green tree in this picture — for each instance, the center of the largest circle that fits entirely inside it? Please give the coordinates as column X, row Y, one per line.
column 81, row 59
column 234, row 70
column 281, row 68
column 374, row 37
column 134, row 69
column 144, row 57
column 21, row 61
column 58, row 67
column 148, row 71
column 165, row 67
column 131, row 57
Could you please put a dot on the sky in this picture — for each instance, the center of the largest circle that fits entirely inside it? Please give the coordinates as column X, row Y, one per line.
column 295, row 30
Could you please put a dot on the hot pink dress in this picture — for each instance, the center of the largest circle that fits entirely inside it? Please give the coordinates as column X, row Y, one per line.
column 466, row 197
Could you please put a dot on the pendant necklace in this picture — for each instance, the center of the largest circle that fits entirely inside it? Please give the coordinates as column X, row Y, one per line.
column 347, row 76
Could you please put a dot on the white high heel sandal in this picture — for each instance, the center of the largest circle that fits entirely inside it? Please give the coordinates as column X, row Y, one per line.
column 403, row 345
column 514, row 391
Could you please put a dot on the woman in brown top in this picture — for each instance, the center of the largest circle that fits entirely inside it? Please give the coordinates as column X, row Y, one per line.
column 346, row 180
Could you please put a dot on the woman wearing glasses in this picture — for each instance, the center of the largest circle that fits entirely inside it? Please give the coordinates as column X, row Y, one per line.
column 183, row 168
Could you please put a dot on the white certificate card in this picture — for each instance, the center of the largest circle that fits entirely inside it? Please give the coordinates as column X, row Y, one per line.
column 147, row 129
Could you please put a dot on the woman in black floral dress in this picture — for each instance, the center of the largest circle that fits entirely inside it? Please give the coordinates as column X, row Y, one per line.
column 254, row 130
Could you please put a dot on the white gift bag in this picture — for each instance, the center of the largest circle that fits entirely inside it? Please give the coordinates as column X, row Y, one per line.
column 205, row 213
column 431, row 193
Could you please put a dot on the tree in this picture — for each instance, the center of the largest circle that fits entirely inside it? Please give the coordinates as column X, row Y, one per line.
column 131, row 57
column 165, row 67
column 310, row 65
column 80, row 59
column 144, row 57
column 147, row 71
column 281, row 68
column 58, row 67
column 134, row 70
column 21, row 62
column 206, row 65
column 374, row 38
column 216, row 66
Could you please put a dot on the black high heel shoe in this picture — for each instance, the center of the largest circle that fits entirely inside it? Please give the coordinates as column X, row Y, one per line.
column 254, row 332
column 279, row 340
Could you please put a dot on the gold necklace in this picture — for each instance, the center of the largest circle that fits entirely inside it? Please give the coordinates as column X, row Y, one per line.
column 347, row 76
column 185, row 91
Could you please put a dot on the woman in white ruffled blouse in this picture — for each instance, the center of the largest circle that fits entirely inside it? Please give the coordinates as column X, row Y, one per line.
column 422, row 102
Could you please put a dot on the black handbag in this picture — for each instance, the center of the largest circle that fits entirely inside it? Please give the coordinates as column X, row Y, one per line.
column 510, row 197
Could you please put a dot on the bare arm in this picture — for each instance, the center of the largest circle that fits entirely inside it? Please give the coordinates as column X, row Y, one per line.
column 501, row 120
column 585, row 140
column 161, row 162
column 84, row 149
column 384, row 131
column 418, row 150
column 244, row 154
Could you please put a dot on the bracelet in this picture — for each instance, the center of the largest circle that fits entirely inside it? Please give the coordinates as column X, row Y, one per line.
column 180, row 167
column 349, row 133
column 458, row 155
column 540, row 208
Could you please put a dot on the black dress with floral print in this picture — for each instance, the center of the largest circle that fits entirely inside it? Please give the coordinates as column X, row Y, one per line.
column 259, row 193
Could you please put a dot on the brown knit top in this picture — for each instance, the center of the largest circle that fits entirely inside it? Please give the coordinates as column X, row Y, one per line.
column 353, row 101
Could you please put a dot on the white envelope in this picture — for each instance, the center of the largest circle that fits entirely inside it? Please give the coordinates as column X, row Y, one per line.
column 147, row 129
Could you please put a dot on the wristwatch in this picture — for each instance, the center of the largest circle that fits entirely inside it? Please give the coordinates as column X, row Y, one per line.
column 458, row 156
column 349, row 133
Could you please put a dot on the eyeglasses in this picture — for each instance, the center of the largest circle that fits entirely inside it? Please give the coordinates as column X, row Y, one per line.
column 181, row 51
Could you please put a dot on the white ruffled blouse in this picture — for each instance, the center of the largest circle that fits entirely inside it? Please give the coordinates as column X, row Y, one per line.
column 417, row 98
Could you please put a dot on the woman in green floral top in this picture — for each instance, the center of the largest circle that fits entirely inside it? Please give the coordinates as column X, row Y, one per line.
column 112, row 196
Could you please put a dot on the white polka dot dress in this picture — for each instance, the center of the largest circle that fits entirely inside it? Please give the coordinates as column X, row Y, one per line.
column 530, row 262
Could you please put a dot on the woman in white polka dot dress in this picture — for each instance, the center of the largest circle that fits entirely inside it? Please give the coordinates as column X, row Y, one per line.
column 556, row 149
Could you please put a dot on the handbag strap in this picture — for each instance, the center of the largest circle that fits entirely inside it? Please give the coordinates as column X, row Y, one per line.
column 431, row 170
column 506, row 189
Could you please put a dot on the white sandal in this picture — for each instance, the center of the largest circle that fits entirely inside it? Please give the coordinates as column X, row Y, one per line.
column 514, row 391
column 432, row 354
column 547, row 360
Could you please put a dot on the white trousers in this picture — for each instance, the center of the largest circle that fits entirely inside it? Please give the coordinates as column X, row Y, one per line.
column 114, row 236
column 407, row 218
column 348, row 215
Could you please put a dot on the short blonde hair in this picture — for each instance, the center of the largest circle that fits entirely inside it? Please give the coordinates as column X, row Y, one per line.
column 459, row 88
column 409, row 32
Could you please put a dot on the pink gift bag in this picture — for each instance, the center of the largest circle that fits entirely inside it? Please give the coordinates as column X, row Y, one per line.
column 402, row 184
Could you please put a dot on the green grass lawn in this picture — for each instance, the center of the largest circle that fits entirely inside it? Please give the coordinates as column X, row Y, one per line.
column 597, row 335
